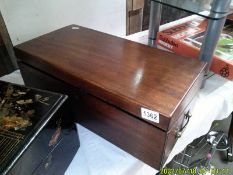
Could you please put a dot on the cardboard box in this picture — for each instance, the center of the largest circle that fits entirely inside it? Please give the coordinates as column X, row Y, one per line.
column 186, row 39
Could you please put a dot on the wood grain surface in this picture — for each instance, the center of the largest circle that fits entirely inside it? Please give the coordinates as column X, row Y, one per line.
column 123, row 73
column 108, row 80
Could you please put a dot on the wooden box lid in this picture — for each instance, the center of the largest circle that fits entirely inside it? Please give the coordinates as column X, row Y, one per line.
column 126, row 74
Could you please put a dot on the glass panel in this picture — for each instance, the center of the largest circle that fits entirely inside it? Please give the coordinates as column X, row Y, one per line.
column 199, row 7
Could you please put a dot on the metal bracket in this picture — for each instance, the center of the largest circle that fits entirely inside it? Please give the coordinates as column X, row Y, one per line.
column 180, row 131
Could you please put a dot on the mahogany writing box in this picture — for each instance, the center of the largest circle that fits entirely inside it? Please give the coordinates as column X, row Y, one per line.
column 135, row 96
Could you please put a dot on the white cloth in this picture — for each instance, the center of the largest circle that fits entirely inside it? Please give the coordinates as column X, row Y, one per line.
column 14, row 77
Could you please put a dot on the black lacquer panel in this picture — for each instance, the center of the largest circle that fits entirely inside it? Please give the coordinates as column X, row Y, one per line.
column 30, row 131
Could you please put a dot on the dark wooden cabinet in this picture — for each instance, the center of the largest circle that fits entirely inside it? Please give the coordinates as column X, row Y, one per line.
column 7, row 57
column 35, row 137
column 112, row 81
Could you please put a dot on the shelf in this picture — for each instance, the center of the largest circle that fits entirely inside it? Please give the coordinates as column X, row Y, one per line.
column 201, row 8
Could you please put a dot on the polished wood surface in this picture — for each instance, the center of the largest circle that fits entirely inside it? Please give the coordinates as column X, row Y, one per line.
column 108, row 80
column 116, row 126
column 139, row 138
column 123, row 73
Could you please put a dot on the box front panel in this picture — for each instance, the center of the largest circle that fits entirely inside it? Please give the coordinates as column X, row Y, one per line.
column 142, row 140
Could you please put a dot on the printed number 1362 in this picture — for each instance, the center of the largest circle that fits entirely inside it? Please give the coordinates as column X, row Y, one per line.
column 150, row 115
